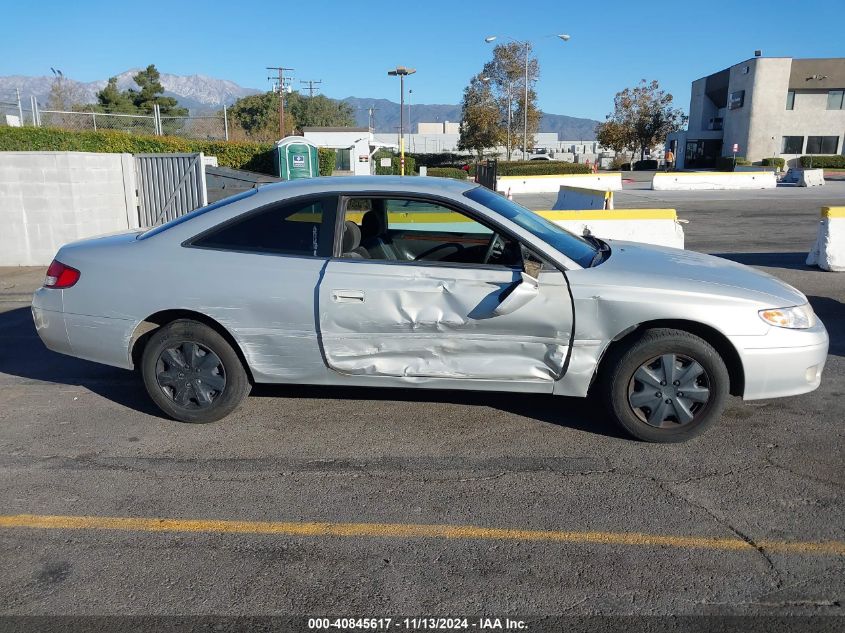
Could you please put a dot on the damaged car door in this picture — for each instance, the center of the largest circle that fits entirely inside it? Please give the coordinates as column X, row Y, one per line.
column 419, row 289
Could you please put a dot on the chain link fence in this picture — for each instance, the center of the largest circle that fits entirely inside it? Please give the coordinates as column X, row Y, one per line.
column 209, row 127
column 96, row 121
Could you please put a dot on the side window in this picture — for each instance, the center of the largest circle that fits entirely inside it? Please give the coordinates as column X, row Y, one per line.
column 410, row 230
column 286, row 228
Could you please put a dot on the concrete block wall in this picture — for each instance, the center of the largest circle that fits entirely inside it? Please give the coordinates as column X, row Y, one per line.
column 48, row 199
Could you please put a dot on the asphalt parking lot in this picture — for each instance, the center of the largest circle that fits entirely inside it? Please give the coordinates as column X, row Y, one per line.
column 319, row 501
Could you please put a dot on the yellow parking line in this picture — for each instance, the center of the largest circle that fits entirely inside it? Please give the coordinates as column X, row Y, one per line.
column 409, row 530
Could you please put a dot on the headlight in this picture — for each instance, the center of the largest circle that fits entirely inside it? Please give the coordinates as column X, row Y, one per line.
column 794, row 317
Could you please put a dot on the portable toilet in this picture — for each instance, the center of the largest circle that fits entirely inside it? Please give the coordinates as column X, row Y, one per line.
column 296, row 157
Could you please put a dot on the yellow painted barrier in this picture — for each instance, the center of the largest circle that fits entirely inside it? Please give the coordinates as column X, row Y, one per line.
column 610, row 214
column 833, row 212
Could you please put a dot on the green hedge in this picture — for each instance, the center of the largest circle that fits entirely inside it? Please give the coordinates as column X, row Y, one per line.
column 252, row 156
column 823, row 161
column 726, row 163
column 327, row 158
column 394, row 169
column 441, row 159
column 539, row 168
column 774, row 161
column 448, row 172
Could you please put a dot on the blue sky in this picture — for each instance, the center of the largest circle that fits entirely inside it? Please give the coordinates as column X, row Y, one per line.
column 351, row 44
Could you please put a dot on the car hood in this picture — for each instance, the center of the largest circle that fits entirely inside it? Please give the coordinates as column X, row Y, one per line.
column 644, row 264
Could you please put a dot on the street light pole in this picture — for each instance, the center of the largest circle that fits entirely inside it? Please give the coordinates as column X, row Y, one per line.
column 401, row 72
column 525, row 107
column 527, row 45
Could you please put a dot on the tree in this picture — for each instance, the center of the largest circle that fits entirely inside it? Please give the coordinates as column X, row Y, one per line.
column 112, row 99
column 506, row 75
column 642, row 117
column 65, row 94
column 319, row 111
column 256, row 117
column 480, row 118
column 151, row 94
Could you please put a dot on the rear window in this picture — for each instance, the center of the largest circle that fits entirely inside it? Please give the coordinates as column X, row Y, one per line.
column 195, row 213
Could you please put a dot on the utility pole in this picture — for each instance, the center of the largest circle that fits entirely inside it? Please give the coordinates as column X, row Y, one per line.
column 371, row 116
column 281, row 86
column 311, row 83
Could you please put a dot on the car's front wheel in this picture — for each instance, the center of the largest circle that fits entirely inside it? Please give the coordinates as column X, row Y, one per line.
column 192, row 373
column 666, row 386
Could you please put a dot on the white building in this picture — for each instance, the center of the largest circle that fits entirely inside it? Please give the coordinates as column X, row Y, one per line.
column 763, row 107
column 354, row 147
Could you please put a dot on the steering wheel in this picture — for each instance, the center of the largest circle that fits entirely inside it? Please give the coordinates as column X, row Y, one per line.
column 491, row 248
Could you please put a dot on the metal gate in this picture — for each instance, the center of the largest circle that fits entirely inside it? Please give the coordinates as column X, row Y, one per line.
column 485, row 173
column 169, row 186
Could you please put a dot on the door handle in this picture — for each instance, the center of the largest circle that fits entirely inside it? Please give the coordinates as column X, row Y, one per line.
column 348, row 296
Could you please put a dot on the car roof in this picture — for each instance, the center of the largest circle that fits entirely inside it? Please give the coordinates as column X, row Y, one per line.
column 385, row 184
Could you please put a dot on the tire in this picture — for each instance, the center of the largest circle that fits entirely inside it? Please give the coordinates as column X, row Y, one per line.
column 665, row 410
column 192, row 373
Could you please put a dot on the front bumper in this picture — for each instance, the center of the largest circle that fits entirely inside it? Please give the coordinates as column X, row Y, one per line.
column 784, row 362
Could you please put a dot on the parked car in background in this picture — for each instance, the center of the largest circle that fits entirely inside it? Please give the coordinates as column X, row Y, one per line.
column 425, row 283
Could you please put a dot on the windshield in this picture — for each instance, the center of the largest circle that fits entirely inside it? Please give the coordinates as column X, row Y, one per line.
column 184, row 218
column 575, row 248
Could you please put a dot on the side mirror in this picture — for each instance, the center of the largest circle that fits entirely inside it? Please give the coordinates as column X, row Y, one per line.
column 518, row 295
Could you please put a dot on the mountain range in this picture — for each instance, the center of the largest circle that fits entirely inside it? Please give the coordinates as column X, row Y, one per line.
column 202, row 94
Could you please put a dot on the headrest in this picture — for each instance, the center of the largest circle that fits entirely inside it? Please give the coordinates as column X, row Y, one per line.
column 373, row 224
column 351, row 236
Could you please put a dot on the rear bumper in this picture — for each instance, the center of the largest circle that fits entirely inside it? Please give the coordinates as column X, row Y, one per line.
column 784, row 362
column 98, row 339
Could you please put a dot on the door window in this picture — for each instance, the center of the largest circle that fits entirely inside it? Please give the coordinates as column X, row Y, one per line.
column 288, row 228
column 412, row 230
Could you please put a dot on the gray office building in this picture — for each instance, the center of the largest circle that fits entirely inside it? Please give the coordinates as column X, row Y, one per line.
column 765, row 106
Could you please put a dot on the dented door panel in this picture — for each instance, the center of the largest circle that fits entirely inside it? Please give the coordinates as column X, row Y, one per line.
column 418, row 320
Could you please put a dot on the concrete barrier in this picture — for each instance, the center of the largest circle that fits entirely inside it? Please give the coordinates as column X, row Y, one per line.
column 698, row 180
column 811, row 178
column 650, row 226
column 828, row 253
column 581, row 198
column 50, row 198
column 604, row 181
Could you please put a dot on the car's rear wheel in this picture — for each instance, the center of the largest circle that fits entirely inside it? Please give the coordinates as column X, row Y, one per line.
column 666, row 386
column 192, row 373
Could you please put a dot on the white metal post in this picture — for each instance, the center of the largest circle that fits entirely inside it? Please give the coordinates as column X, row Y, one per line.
column 94, row 120
column 20, row 107
column 225, row 123
column 36, row 118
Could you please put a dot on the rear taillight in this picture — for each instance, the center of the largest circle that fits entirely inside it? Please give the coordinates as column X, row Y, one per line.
column 60, row 276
